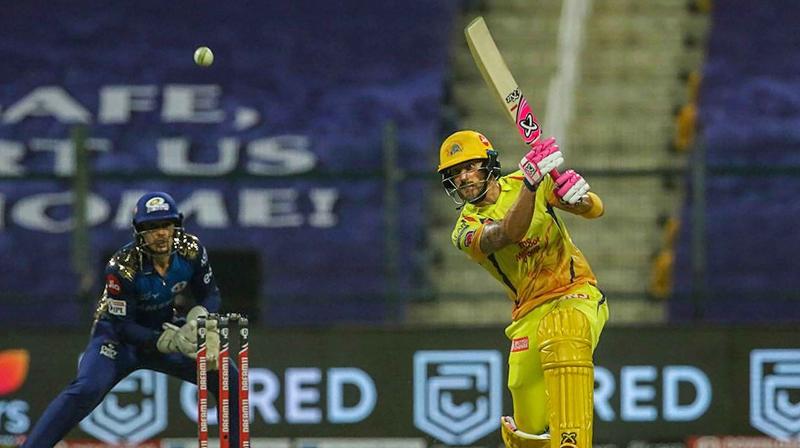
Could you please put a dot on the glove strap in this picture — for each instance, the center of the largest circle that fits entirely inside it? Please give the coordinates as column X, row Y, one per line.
column 529, row 185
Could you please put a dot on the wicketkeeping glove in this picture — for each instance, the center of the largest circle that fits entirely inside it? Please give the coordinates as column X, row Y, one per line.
column 571, row 187
column 543, row 157
column 174, row 340
column 190, row 331
column 197, row 310
column 183, row 339
column 212, row 334
column 212, row 347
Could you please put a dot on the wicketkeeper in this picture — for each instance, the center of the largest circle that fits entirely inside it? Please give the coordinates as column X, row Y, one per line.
column 138, row 324
column 510, row 226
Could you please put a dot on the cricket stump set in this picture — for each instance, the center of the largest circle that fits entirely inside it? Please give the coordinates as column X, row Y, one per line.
column 223, row 322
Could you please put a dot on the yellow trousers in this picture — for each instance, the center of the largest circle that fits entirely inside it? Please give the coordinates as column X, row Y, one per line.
column 526, row 376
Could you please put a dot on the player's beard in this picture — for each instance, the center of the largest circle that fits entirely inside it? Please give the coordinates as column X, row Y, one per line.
column 473, row 191
column 159, row 246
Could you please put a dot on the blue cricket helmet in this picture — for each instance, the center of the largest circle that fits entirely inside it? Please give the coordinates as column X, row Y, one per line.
column 156, row 206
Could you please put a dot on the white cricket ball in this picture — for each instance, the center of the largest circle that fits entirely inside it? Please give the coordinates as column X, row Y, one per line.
column 203, row 56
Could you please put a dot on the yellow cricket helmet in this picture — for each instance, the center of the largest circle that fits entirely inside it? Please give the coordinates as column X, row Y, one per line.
column 462, row 146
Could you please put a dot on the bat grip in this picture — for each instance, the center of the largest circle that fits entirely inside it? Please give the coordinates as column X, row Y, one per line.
column 554, row 173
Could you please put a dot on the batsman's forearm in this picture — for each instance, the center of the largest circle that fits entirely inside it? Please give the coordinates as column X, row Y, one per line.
column 518, row 219
column 512, row 228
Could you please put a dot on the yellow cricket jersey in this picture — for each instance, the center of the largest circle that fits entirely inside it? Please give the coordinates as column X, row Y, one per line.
column 544, row 265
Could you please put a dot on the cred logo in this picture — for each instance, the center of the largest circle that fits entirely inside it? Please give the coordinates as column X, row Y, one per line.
column 13, row 370
column 457, row 394
column 134, row 410
column 774, row 384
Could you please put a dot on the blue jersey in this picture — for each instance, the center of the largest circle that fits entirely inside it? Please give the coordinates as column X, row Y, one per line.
column 137, row 300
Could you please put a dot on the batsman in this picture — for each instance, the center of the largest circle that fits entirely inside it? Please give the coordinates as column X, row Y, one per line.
column 511, row 227
column 155, row 287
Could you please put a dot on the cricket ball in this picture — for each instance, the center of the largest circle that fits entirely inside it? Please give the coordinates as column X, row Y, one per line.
column 203, row 56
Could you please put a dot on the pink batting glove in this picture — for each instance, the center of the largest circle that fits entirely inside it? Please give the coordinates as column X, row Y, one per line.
column 543, row 157
column 571, row 187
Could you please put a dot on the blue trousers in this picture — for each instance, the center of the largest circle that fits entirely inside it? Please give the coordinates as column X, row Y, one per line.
column 104, row 364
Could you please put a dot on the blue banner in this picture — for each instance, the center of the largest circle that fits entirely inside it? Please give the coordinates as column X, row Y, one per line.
column 750, row 116
column 276, row 148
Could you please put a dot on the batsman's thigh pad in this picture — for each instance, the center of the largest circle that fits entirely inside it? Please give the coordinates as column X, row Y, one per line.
column 525, row 378
column 514, row 438
column 565, row 348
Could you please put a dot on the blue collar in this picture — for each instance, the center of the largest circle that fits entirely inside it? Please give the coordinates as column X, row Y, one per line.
column 148, row 268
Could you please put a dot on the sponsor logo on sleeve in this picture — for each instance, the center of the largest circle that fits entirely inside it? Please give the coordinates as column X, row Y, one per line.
column 118, row 307
column 113, row 287
column 109, row 350
column 460, row 237
column 468, row 238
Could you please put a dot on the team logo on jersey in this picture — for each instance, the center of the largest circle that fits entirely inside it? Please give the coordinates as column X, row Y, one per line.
column 475, row 377
column 455, row 149
column 156, row 204
column 112, row 285
column 134, row 410
column 180, row 286
column 117, row 307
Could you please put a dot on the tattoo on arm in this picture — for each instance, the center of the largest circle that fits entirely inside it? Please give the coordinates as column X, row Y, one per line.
column 493, row 237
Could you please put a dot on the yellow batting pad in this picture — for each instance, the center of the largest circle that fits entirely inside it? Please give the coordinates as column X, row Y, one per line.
column 565, row 348
column 514, row 438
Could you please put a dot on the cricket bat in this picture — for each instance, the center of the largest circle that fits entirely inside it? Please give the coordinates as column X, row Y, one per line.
column 501, row 82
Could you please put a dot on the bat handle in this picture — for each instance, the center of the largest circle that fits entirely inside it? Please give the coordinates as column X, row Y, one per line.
column 528, row 127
